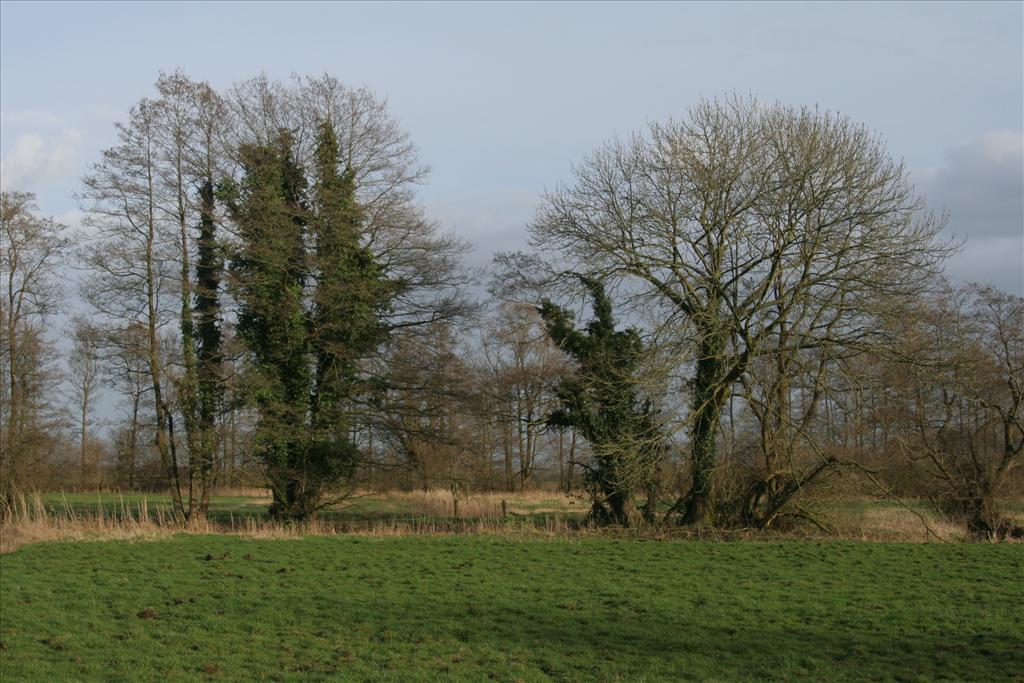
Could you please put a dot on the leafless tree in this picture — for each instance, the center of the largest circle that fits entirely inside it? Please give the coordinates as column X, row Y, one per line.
column 750, row 229
column 31, row 249
column 131, row 256
column 191, row 127
column 523, row 367
column 957, row 370
column 84, row 365
column 127, row 373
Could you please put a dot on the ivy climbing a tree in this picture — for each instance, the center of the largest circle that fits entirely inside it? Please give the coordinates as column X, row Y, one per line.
column 601, row 401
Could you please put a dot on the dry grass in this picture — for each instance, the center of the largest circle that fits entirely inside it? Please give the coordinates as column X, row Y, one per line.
column 543, row 513
column 31, row 521
column 886, row 523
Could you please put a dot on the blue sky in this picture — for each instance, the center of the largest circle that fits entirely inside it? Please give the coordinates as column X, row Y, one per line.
column 502, row 98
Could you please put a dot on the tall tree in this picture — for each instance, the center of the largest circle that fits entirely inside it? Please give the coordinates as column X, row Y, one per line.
column 192, row 123
column 131, row 257
column 270, row 272
column 745, row 227
column 351, row 299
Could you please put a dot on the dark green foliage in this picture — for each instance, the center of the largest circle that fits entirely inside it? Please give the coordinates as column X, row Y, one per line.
column 601, row 401
column 350, row 298
column 209, row 268
column 270, row 271
column 311, row 303
column 476, row 608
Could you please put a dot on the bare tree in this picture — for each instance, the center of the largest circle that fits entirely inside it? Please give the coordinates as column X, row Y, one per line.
column 524, row 367
column 131, row 254
column 126, row 361
column 190, row 129
column 31, row 249
column 750, row 228
column 84, row 365
column 958, row 372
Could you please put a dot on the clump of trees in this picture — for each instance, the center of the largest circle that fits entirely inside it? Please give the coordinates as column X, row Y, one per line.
column 292, row 204
column 956, row 371
column 271, row 305
column 32, row 250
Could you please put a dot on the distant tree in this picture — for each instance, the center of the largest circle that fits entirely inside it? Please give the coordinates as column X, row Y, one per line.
column 524, row 367
column 127, row 374
column 602, row 401
column 31, row 249
column 85, row 366
column 426, row 413
column 957, row 375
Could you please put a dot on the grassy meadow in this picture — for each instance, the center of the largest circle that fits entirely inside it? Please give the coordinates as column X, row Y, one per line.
column 488, row 607
column 404, row 587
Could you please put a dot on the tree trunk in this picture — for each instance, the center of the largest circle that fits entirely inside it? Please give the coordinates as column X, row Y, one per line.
column 164, row 421
column 710, row 391
column 83, row 438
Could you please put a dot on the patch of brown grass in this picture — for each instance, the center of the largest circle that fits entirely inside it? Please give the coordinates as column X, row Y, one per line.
column 31, row 521
column 893, row 523
column 433, row 512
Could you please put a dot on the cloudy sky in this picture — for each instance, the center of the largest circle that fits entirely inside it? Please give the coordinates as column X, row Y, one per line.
column 502, row 98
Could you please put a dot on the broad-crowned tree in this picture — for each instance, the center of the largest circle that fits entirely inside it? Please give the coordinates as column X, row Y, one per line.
column 744, row 227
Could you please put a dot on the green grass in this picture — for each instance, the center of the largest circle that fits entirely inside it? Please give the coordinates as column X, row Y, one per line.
column 506, row 608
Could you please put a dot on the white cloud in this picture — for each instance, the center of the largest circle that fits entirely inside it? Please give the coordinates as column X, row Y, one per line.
column 35, row 158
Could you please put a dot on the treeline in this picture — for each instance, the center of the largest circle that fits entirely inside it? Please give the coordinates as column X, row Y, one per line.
column 722, row 316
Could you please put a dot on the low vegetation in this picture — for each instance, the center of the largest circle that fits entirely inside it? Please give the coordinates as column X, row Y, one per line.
column 532, row 609
column 243, row 512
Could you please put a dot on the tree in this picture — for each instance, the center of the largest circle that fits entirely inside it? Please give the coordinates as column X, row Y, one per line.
column 191, row 122
column 209, row 127
column 351, row 299
column 31, row 249
column 957, row 371
column 127, row 373
column 270, row 273
column 428, row 413
column 601, row 400
column 525, row 367
column 746, row 227
column 131, row 257
column 372, row 270
column 145, row 197
column 84, row 364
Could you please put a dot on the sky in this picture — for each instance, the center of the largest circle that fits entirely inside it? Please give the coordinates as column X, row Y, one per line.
column 502, row 99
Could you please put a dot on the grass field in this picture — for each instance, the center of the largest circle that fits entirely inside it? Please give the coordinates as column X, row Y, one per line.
column 478, row 607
